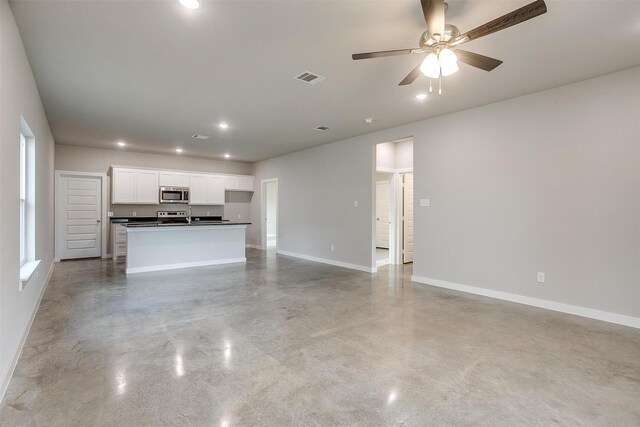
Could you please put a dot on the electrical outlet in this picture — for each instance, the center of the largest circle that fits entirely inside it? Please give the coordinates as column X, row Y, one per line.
column 135, row 213
column 239, row 216
column 109, row 214
column 332, row 247
column 208, row 213
column 540, row 277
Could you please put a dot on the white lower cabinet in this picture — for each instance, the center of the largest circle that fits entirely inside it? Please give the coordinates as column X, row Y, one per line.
column 118, row 241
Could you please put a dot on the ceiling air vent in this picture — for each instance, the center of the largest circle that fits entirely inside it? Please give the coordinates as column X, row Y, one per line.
column 309, row 77
column 196, row 136
column 323, row 128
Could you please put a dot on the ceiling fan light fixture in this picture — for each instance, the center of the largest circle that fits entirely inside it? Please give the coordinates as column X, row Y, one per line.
column 430, row 67
column 447, row 56
column 448, row 69
column 448, row 62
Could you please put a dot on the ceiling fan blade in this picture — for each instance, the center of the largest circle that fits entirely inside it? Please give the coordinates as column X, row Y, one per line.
column 411, row 77
column 476, row 60
column 516, row 17
column 433, row 11
column 380, row 54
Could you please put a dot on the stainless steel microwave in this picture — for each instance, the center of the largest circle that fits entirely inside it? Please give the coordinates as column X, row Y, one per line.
column 174, row 195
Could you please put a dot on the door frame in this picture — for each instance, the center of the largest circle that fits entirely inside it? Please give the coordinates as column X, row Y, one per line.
column 395, row 214
column 263, row 213
column 400, row 217
column 59, row 174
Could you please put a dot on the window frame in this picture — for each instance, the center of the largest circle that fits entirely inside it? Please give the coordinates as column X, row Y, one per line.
column 23, row 199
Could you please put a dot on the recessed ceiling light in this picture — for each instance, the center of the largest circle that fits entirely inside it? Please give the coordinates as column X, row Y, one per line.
column 190, row 4
column 178, row 150
column 226, row 156
column 223, row 125
column 421, row 96
column 121, row 144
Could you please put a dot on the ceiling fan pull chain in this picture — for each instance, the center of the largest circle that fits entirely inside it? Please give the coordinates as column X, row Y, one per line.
column 440, row 85
column 430, row 86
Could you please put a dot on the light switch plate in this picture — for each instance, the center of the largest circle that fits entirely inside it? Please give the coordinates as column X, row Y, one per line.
column 540, row 277
column 425, row 203
column 355, row 203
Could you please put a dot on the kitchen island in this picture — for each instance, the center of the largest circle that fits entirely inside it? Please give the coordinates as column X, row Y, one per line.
column 154, row 247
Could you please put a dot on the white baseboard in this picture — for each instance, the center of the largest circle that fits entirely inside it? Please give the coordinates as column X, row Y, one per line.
column 254, row 246
column 23, row 339
column 591, row 313
column 329, row 261
column 184, row 265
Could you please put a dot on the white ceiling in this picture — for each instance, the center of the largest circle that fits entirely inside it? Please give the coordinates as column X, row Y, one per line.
column 153, row 73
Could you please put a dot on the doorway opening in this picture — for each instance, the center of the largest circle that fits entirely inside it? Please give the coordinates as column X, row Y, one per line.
column 270, row 213
column 394, row 203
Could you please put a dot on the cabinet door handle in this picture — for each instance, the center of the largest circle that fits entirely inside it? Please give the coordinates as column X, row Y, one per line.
column 98, row 221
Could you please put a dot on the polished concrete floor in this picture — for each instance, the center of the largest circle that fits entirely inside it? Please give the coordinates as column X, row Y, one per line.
column 280, row 341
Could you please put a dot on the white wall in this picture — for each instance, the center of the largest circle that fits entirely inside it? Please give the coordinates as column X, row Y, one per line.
column 19, row 97
column 404, row 154
column 386, row 155
column 316, row 193
column 395, row 155
column 545, row 182
column 84, row 159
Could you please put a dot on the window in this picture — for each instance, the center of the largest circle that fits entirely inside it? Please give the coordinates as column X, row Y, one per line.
column 23, row 199
column 27, row 200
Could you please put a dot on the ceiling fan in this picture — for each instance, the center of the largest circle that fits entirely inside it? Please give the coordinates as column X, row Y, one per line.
column 440, row 41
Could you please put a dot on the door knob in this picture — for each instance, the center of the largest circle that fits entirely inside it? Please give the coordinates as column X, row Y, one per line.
column 98, row 220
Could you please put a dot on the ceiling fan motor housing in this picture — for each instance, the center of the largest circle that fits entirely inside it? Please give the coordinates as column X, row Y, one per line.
column 451, row 32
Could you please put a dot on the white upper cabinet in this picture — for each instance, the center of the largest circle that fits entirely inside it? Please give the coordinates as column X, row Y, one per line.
column 198, row 193
column 141, row 186
column 232, row 182
column 247, row 183
column 207, row 189
column 147, row 188
column 134, row 186
column 174, row 179
column 182, row 179
column 215, row 190
column 238, row 183
column 166, row 179
column 124, row 186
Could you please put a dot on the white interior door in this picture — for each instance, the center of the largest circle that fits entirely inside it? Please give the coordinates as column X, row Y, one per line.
column 80, row 217
column 382, row 214
column 407, row 218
